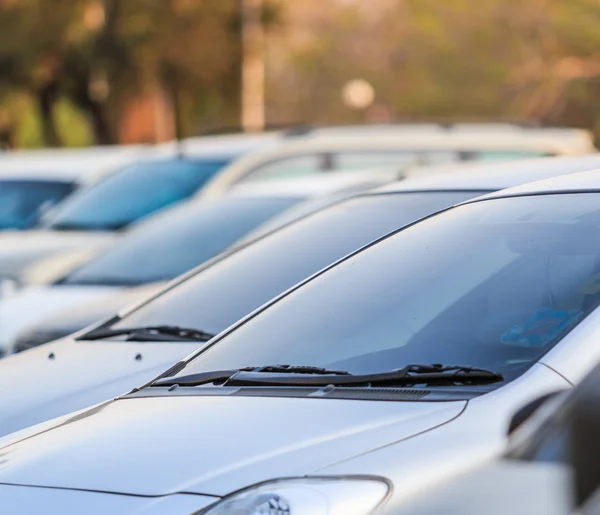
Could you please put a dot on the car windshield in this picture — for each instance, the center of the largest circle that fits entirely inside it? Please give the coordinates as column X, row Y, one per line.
column 22, row 200
column 132, row 193
column 492, row 284
column 226, row 291
column 502, row 155
column 174, row 242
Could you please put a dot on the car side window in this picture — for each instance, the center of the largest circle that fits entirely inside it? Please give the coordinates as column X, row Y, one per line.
column 297, row 166
column 361, row 160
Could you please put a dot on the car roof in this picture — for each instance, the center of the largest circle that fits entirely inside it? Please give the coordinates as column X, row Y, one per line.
column 582, row 182
column 223, row 145
column 574, row 136
column 492, row 177
column 67, row 165
column 317, row 185
column 74, row 164
column 399, row 141
column 364, row 138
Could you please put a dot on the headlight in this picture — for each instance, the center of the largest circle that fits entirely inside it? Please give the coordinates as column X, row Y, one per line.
column 310, row 496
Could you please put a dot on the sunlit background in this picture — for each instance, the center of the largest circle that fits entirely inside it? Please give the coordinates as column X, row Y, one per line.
column 79, row 72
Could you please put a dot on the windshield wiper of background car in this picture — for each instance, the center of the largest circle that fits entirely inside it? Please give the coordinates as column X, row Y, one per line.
column 100, row 281
column 75, row 226
column 161, row 333
column 279, row 375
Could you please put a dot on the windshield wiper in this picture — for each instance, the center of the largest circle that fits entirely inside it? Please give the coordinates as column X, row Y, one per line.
column 151, row 333
column 220, row 376
column 309, row 376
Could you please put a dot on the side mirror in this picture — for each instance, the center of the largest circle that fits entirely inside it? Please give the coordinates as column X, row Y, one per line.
column 527, row 411
column 584, row 446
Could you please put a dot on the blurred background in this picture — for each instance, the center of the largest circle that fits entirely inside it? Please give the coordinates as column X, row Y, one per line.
column 83, row 72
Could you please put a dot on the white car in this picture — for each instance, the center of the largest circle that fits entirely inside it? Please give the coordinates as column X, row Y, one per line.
column 173, row 242
column 385, row 372
column 136, row 184
column 321, row 150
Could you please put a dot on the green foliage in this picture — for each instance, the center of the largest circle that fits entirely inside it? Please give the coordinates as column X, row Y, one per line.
column 68, row 68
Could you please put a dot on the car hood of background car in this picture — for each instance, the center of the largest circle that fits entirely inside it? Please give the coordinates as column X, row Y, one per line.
column 84, row 314
column 34, row 304
column 19, row 249
column 209, row 445
column 64, row 376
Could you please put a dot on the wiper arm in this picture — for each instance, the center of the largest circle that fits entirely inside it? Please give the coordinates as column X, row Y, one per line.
column 313, row 376
column 151, row 333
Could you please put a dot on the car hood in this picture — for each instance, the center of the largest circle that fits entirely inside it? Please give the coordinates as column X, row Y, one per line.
column 64, row 376
column 19, row 249
column 207, row 444
column 87, row 313
column 36, row 303
column 23, row 500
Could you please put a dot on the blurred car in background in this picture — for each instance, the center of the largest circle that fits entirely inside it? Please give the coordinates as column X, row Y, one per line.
column 221, row 292
column 31, row 182
column 350, row 225
column 320, row 150
column 172, row 243
column 516, row 318
column 147, row 185
column 154, row 180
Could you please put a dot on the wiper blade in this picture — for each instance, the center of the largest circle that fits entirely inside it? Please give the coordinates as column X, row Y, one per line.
column 313, row 376
column 151, row 333
column 296, row 369
column 220, row 376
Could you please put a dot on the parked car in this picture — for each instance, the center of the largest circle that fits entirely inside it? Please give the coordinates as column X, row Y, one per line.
column 142, row 185
column 294, row 255
column 33, row 181
column 318, row 150
column 172, row 243
column 440, row 330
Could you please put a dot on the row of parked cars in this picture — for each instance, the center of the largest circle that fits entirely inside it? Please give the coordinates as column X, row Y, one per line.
column 345, row 320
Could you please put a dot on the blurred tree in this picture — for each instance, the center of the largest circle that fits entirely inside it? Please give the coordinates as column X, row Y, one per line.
column 425, row 58
column 103, row 54
column 438, row 59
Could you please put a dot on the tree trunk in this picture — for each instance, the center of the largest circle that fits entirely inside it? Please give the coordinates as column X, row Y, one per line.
column 46, row 98
column 102, row 133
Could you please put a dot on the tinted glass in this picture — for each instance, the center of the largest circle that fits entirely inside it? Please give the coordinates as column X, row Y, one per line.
column 493, row 284
column 362, row 160
column 20, row 201
column 132, row 193
column 298, row 166
column 177, row 241
column 226, row 291
column 505, row 155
